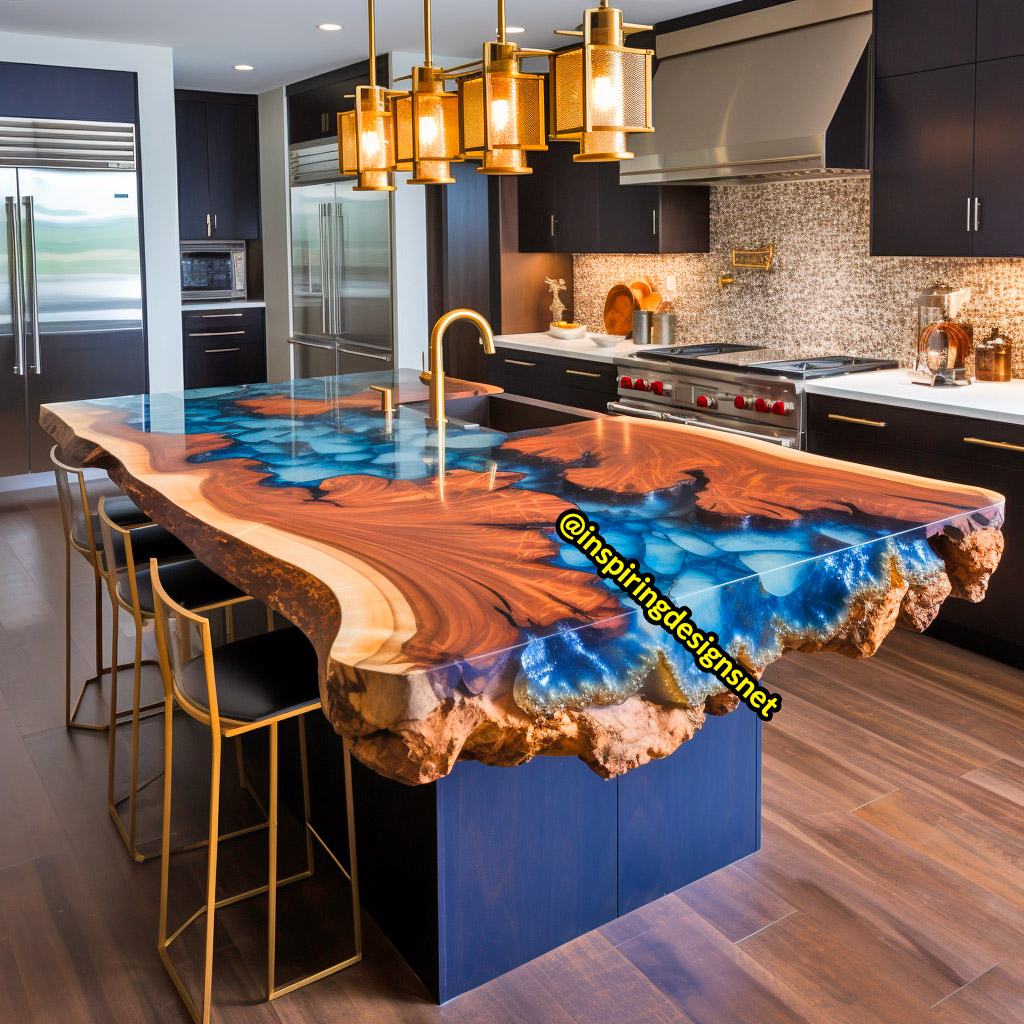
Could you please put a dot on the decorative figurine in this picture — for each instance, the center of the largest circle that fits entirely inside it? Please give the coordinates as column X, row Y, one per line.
column 557, row 306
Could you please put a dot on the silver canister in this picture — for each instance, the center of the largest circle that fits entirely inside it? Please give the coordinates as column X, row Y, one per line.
column 642, row 326
column 663, row 329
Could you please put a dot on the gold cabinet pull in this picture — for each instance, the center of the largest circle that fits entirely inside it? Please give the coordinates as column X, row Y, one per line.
column 856, row 419
column 995, row 444
column 582, row 373
column 520, row 362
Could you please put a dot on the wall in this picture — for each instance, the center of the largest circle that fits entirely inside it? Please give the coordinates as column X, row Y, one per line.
column 274, row 215
column 824, row 295
column 158, row 161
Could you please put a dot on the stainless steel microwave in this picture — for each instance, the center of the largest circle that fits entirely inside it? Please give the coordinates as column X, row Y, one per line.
column 213, row 270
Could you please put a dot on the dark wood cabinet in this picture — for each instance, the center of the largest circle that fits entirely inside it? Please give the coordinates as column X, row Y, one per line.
column 920, row 35
column 935, row 445
column 314, row 104
column 1000, row 29
column 568, row 206
column 998, row 157
column 584, row 383
column 224, row 347
column 218, row 165
column 67, row 94
column 922, row 164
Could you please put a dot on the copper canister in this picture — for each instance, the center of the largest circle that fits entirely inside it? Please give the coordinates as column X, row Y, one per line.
column 993, row 358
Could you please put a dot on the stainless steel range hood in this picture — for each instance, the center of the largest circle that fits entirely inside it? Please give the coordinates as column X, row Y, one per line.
column 777, row 94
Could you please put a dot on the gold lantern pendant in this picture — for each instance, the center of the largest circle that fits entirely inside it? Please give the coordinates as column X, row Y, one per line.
column 601, row 90
column 426, row 121
column 501, row 109
column 365, row 135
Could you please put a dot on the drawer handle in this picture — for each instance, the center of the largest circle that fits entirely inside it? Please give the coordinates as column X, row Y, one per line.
column 856, row 419
column 213, row 334
column 519, row 362
column 583, row 373
column 995, row 444
column 209, row 351
column 218, row 316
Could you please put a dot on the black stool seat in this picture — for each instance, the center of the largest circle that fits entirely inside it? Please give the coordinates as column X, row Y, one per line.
column 148, row 542
column 189, row 583
column 120, row 509
column 259, row 677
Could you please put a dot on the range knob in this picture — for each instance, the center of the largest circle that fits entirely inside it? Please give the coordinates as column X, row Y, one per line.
column 625, row 382
column 743, row 402
column 763, row 405
column 659, row 387
column 706, row 401
column 641, row 385
column 782, row 408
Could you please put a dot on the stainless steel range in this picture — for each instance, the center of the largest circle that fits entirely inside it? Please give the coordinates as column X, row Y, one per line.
column 742, row 389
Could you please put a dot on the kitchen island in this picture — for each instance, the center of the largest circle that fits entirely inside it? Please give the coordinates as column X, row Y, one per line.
column 453, row 626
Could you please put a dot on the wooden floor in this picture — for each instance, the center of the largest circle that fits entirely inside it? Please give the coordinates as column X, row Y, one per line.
column 890, row 887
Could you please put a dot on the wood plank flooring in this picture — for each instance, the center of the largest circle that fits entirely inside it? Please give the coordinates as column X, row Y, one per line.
column 889, row 890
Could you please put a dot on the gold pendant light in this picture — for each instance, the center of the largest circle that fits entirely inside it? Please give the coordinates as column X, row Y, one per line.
column 602, row 89
column 501, row 109
column 365, row 136
column 426, row 121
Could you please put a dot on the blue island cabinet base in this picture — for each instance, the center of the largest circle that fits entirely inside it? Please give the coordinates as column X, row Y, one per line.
column 488, row 868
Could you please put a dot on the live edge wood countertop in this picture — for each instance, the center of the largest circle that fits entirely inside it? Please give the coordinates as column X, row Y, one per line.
column 450, row 620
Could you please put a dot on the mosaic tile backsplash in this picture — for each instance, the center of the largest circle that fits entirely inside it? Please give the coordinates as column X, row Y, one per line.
column 824, row 294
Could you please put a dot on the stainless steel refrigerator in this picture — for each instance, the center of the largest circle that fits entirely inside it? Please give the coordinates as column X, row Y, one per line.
column 70, row 275
column 342, row 316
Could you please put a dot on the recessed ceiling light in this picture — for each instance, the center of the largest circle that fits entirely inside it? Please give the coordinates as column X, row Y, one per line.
column 513, row 30
column 243, row 67
column 329, row 26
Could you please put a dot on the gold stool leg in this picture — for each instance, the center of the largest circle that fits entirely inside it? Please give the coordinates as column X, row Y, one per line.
column 211, row 874
column 272, row 874
column 304, row 759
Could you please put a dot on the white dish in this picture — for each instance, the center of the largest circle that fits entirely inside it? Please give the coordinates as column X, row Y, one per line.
column 567, row 333
column 607, row 340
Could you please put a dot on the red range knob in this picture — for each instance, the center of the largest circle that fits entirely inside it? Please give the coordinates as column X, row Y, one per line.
column 657, row 387
column 625, row 382
column 762, row 405
column 781, row 408
column 702, row 401
column 740, row 402
column 641, row 385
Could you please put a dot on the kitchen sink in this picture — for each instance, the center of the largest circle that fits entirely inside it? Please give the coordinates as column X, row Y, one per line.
column 509, row 413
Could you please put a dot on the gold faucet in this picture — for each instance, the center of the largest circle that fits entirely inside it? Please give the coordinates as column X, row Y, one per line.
column 434, row 377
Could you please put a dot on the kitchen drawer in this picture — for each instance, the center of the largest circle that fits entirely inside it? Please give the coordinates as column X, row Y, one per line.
column 580, row 373
column 846, row 425
column 596, row 399
column 226, row 318
column 227, row 362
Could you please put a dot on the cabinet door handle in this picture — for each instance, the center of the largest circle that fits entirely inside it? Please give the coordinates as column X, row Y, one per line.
column 856, row 419
column 213, row 334
column 995, row 444
column 654, row 221
column 209, row 225
column 519, row 362
column 968, row 213
column 215, row 316
column 552, row 225
column 977, row 214
column 208, row 351
column 582, row 373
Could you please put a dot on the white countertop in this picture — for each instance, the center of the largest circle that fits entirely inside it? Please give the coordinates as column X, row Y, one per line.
column 188, row 307
column 584, row 348
column 1000, row 402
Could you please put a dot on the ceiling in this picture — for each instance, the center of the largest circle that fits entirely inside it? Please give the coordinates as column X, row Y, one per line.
column 279, row 37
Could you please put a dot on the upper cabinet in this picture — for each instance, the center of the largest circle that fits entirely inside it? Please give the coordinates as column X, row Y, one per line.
column 948, row 141
column 569, row 206
column 314, row 105
column 218, row 165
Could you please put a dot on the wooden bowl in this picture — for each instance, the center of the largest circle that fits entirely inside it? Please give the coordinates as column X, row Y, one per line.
column 618, row 310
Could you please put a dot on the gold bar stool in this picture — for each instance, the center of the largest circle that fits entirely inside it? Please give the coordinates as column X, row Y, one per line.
column 81, row 534
column 127, row 555
column 237, row 688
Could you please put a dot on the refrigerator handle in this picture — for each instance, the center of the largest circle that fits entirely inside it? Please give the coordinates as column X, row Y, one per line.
column 340, row 264
column 14, row 277
column 33, row 281
column 324, row 289
column 333, row 244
